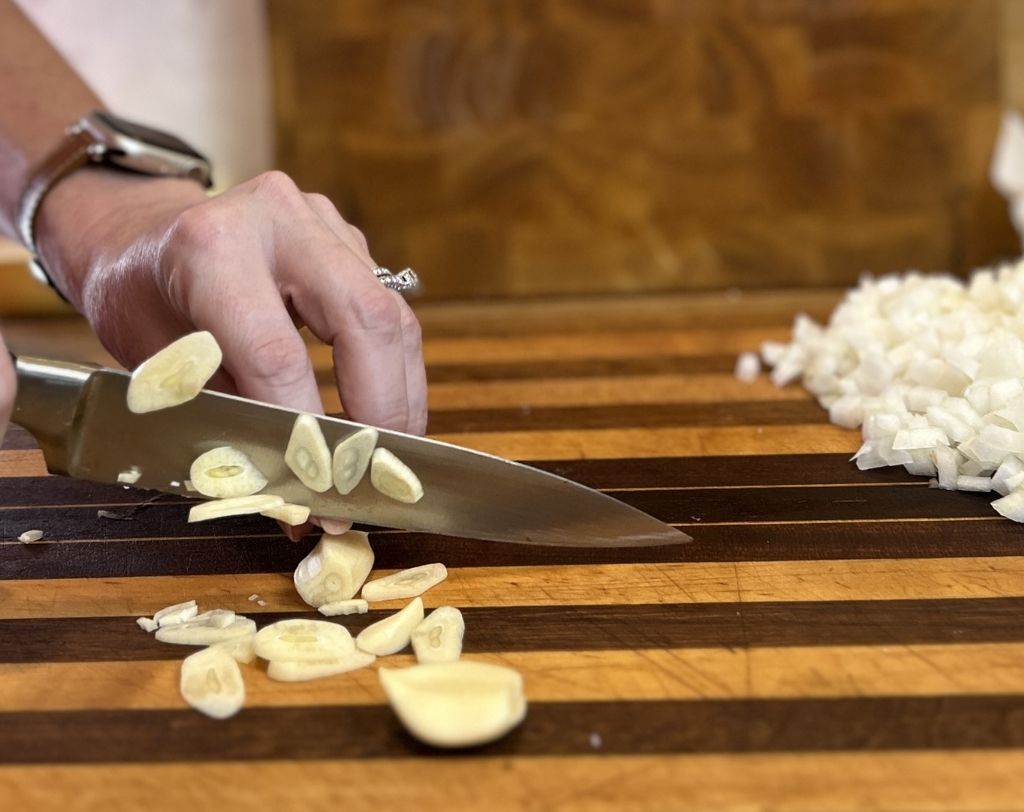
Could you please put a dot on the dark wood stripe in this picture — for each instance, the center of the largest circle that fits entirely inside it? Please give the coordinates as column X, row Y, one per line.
column 753, row 542
column 645, row 473
column 588, row 628
column 861, row 724
column 570, row 368
column 655, row 415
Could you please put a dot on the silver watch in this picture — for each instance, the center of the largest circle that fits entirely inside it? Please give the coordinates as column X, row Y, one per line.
column 102, row 138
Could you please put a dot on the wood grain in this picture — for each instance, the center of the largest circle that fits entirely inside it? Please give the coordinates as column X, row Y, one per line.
column 504, row 149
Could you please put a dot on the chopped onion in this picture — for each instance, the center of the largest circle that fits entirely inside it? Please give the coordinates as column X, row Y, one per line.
column 931, row 369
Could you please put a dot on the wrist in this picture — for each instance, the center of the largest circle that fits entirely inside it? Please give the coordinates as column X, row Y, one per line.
column 90, row 218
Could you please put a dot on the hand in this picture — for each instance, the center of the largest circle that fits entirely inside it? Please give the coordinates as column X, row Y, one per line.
column 148, row 260
column 157, row 259
column 7, row 387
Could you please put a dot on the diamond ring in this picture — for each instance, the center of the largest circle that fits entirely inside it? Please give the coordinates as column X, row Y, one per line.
column 404, row 281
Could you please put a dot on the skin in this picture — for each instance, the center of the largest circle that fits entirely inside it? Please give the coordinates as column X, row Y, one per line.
column 252, row 265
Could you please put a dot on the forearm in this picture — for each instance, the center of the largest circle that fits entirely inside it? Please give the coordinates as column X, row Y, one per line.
column 39, row 96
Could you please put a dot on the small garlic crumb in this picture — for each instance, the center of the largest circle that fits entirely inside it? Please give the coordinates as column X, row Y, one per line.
column 596, row 741
column 147, row 624
column 175, row 484
column 30, row 535
column 129, row 476
column 254, row 597
column 748, row 367
column 261, row 603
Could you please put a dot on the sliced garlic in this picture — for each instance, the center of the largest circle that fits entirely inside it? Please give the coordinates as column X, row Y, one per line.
column 177, row 613
column 354, row 606
column 393, row 632
column 303, row 641
column 174, row 375
column 438, row 639
column 405, row 584
column 192, row 633
column 288, row 513
column 147, row 624
column 308, row 455
column 211, row 682
column 352, row 458
column 129, row 476
column 215, row 618
column 243, row 648
column 334, row 569
column 30, row 536
column 394, row 478
column 296, row 671
column 458, row 704
column 235, row 506
column 226, row 472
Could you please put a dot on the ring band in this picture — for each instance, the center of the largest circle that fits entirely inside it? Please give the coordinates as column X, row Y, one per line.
column 404, row 281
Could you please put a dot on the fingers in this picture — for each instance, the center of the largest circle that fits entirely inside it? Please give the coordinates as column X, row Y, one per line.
column 8, row 385
column 376, row 343
column 232, row 293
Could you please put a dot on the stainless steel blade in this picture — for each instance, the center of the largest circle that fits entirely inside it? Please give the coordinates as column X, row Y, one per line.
column 80, row 417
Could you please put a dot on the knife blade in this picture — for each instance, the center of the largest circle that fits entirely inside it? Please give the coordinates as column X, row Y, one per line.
column 79, row 416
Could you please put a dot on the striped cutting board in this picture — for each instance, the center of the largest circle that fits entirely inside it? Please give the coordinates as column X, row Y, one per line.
column 831, row 640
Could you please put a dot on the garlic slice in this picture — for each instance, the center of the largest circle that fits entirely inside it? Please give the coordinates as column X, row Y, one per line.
column 147, row 624
column 307, row 454
column 225, row 472
column 296, row 671
column 354, row 606
column 235, row 506
column 211, row 682
column 393, row 632
column 203, row 633
column 334, row 569
column 406, row 583
column 129, row 476
column 352, row 458
column 394, row 478
column 174, row 375
column 288, row 513
column 303, row 640
column 177, row 613
column 243, row 648
column 30, row 536
column 438, row 639
column 458, row 704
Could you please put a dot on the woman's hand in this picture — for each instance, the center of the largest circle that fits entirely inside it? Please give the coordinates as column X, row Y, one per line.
column 147, row 260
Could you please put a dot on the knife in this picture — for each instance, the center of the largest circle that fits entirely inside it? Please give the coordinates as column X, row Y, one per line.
column 80, row 418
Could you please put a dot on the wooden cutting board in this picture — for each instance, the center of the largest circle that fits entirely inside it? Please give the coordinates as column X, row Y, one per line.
column 831, row 640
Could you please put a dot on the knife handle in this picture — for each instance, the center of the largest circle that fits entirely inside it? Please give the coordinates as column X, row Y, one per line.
column 46, row 403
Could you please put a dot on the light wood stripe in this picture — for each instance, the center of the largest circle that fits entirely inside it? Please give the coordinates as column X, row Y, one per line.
column 22, row 463
column 679, row 442
column 559, row 585
column 556, row 676
column 938, row 781
column 630, row 389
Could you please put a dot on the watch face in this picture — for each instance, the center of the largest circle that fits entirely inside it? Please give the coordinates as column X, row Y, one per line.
column 146, row 135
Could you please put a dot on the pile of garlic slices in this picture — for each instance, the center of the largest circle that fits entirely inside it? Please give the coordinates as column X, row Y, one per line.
column 932, row 369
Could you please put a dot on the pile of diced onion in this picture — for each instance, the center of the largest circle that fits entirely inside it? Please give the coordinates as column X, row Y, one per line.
column 932, row 369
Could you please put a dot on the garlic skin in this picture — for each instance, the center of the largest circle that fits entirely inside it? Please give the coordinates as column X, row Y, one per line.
column 931, row 369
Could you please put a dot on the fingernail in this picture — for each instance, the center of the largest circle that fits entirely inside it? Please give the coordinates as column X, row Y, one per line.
column 335, row 526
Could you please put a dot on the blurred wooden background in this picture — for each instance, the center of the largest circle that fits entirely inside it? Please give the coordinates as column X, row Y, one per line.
column 525, row 147
column 533, row 147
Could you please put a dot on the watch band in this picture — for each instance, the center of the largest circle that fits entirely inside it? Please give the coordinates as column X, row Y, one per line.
column 75, row 151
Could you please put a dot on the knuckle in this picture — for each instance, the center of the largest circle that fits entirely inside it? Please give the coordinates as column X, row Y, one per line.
column 281, row 359
column 275, row 185
column 360, row 238
column 411, row 328
column 319, row 202
column 378, row 310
